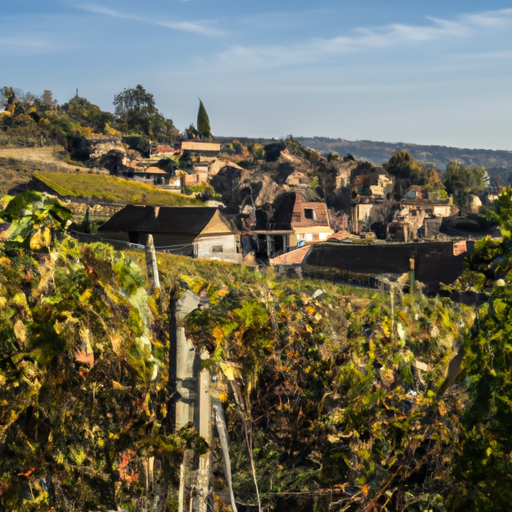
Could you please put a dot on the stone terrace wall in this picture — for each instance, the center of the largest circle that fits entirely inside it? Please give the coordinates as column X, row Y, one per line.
column 434, row 261
column 96, row 210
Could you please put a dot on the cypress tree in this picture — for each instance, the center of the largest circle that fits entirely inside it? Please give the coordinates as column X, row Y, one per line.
column 203, row 122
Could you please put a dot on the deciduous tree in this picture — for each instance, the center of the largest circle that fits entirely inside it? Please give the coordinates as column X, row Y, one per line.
column 136, row 112
column 462, row 182
column 406, row 172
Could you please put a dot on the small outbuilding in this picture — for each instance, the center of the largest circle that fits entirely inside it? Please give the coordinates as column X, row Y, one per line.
column 200, row 232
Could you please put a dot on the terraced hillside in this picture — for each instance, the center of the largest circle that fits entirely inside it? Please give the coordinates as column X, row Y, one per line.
column 110, row 189
column 17, row 165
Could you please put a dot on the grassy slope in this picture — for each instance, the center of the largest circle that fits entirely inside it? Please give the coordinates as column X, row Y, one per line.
column 110, row 188
column 13, row 173
column 17, row 165
column 249, row 279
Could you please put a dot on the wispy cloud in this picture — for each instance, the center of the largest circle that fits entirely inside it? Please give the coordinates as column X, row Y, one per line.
column 197, row 27
column 281, row 20
column 487, row 56
column 326, row 89
column 364, row 38
column 28, row 44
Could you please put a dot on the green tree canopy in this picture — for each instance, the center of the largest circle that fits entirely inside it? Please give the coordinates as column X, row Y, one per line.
column 463, row 182
column 203, row 122
column 406, row 172
column 136, row 112
column 191, row 132
column 83, row 111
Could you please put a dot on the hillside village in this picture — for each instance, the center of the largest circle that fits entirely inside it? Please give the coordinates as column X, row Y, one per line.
column 280, row 203
column 192, row 322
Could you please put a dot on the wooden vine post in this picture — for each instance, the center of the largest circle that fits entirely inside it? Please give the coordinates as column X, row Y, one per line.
column 152, row 268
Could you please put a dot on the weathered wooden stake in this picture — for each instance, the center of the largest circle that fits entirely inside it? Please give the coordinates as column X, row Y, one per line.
column 173, row 358
column 151, row 264
column 204, row 429
column 223, row 437
column 412, row 277
column 181, row 495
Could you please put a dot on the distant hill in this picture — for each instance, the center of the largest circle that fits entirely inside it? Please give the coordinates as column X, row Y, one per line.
column 496, row 162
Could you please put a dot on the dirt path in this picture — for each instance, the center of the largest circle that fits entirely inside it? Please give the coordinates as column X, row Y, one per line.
column 47, row 154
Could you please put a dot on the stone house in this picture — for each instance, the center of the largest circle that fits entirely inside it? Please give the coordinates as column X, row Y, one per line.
column 294, row 222
column 383, row 187
column 154, row 175
column 198, row 175
column 162, row 150
column 418, row 217
column 297, row 179
column 199, row 232
column 204, row 150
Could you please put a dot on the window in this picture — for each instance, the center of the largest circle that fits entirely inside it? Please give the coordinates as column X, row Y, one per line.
column 296, row 217
column 308, row 237
column 316, row 237
column 309, row 213
column 218, row 248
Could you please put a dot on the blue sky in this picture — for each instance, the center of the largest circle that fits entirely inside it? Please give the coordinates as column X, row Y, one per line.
column 434, row 72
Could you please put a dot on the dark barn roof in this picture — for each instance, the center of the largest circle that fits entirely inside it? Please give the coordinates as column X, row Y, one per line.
column 160, row 219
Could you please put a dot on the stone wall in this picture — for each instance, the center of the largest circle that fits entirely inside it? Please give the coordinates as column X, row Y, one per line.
column 95, row 209
column 435, row 262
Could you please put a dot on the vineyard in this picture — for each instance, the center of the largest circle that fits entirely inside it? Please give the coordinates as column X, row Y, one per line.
column 333, row 400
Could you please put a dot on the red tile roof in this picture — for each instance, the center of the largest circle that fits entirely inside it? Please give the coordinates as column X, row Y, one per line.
column 295, row 257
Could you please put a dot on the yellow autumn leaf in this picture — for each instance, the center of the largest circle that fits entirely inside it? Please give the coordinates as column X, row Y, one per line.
column 403, row 316
column 386, row 326
column 20, row 300
column 218, row 334
column 85, row 296
column 5, row 261
column 112, row 295
column 119, row 386
column 309, row 328
column 223, row 397
column 310, row 310
column 116, row 343
column 41, row 238
column 20, row 331
column 229, row 372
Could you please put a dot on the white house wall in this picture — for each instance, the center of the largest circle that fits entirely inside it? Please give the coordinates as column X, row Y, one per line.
column 209, row 248
column 442, row 211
